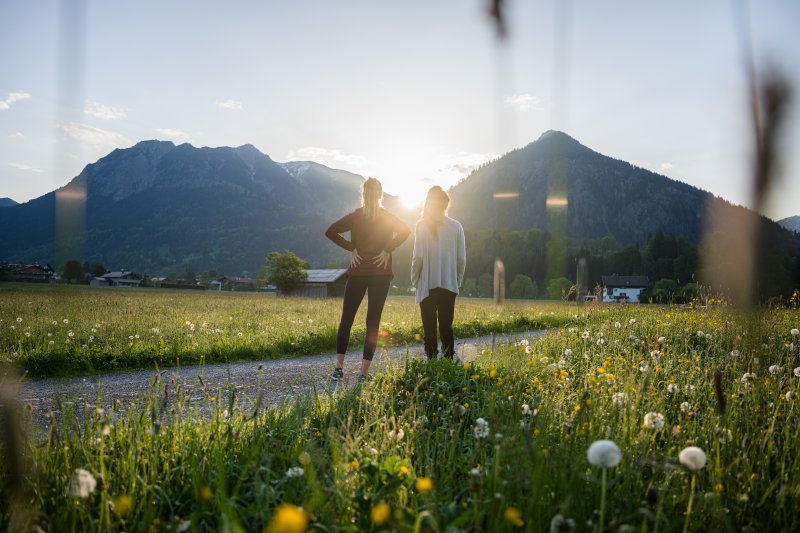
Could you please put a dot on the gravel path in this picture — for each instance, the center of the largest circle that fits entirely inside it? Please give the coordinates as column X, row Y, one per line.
column 274, row 380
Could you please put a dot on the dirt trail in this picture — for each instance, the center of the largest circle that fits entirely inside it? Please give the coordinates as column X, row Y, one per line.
column 278, row 380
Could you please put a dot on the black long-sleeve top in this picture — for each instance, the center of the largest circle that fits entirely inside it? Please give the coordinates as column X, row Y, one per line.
column 384, row 232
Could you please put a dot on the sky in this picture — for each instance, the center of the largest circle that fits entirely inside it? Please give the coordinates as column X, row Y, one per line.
column 413, row 92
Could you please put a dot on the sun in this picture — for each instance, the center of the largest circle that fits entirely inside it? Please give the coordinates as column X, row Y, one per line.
column 411, row 198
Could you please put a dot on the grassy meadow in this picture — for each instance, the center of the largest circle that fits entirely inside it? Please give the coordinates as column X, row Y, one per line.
column 48, row 330
column 701, row 406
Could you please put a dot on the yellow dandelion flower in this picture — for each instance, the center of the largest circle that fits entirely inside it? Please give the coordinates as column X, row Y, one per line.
column 353, row 464
column 424, row 484
column 123, row 505
column 288, row 518
column 576, row 408
column 204, row 494
column 601, row 370
column 492, row 372
column 514, row 516
column 404, row 470
column 718, row 487
column 467, row 366
column 380, row 513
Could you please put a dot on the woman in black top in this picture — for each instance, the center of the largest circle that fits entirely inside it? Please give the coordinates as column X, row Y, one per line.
column 374, row 235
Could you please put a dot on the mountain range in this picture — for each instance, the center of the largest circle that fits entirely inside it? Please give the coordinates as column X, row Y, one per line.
column 7, row 202
column 158, row 206
column 791, row 223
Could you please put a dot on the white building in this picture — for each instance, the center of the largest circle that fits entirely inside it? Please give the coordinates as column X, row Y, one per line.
column 624, row 288
column 117, row 279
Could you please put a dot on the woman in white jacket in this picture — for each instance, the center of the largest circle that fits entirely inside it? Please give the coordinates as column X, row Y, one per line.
column 437, row 269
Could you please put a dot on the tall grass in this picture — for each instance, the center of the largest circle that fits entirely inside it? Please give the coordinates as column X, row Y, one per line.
column 69, row 330
column 408, row 452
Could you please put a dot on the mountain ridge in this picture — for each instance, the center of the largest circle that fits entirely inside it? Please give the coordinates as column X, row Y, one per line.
column 158, row 206
column 791, row 223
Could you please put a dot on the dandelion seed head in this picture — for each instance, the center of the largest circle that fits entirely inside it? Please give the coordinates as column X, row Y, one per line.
column 604, row 453
column 83, row 484
column 653, row 420
column 692, row 458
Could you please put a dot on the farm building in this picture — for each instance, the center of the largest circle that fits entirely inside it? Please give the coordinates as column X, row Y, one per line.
column 28, row 272
column 624, row 288
column 117, row 279
column 323, row 283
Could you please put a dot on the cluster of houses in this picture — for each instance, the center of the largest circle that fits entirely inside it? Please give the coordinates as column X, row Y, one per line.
column 27, row 272
column 321, row 283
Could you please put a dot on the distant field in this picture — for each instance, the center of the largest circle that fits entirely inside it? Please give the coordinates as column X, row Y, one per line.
column 51, row 330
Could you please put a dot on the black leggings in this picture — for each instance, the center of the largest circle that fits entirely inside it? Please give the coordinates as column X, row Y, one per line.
column 438, row 306
column 378, row 288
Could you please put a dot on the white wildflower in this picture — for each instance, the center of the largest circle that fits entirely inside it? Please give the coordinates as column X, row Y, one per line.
column 692, row 458
column 774, row 369
column 662, row 340
column 790, row 395
column 184, row 525
column 619, row 398
column 83, row 483
column 71, row 333
column 644, row 367
column 617, row 325
column 559, row 524
column 604, row 453
column 700, row 333
column 568, row 352
column 526, row 409
column 795, row 332
column 672, row 388
column 585, row 335
column 708, row 336
column 797, row 372
column 295, row 471
column 19, row 319
column 481, row 429
column 654, row 420
column 397, row 434
column 421, row 421
column 685, row 407
column 475, row 471
column 66, row 321
column 632, row 321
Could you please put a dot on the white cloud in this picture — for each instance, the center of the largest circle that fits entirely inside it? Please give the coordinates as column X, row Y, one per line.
column 524, row 102
column 666, row 166
column 462, row 162
column 172, row 133
column 94, row 136
column 333, row 156
column 17, row 135
column 229, row 104
column 23, row 166
column 13, row 97
column 105, row 112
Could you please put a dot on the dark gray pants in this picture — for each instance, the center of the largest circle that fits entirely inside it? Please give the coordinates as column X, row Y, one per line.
column 439, row 306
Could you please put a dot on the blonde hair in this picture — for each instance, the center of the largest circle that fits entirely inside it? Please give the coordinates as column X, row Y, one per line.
column 436, row 203
column 371, row 197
